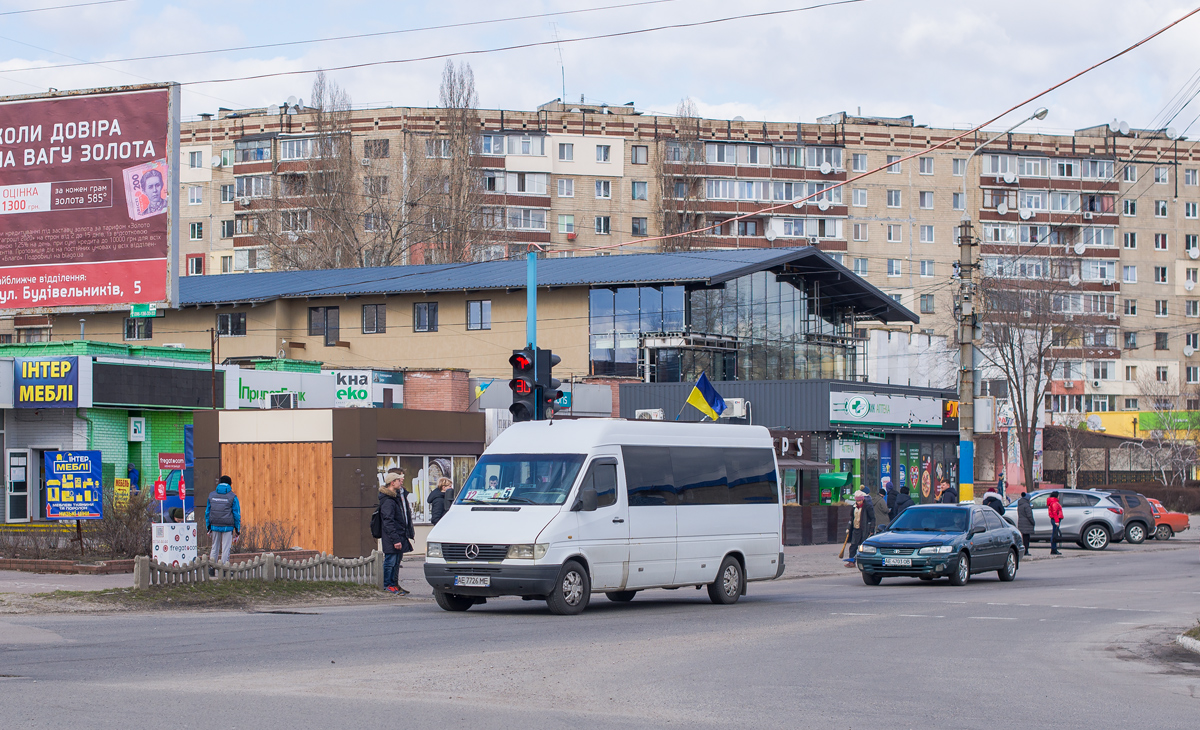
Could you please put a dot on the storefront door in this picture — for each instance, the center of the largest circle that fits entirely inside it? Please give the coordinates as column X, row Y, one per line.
column 20, row 486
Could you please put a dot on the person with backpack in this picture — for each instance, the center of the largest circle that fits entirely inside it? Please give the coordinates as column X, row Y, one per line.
column 395, row 528
column 440, row 499
column 223, row 520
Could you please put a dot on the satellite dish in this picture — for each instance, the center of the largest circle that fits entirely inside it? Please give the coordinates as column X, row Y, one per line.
column 1080, row 248
column 1124, row 127
column 291, row 101
column 1172, row 133
column 1193, row 253
column 300, row 103
column 1002, row 209
column 798, row 205
column 1114, row 126
column 1189, row 351
column 1094, row 423
column 826, row 168
column 823, row 204
column 1025, row 213
column 293, row 110
column 214, row 161
column 273, row 111
column 1010, row 177
column 739, row 118
column 1073, row 280
column 1189, row 285
column 771, row 234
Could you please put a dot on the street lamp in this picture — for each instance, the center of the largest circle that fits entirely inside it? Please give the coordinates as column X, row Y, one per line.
column 966, row 332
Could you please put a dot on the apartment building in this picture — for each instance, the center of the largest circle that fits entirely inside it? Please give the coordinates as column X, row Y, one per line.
column 1120, row 208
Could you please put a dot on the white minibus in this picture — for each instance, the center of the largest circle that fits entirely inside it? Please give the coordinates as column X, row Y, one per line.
column 554, row 510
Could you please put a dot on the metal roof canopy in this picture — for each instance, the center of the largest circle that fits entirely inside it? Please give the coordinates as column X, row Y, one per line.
column 710, row 268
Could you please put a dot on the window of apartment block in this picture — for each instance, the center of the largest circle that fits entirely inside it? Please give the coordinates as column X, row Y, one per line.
column 860, row 231
column 253, row 186
column 894, row 234
column 1162, row 175
column 1131, row 307
column 195, row 195
column 231, row 324
column 1191, row 177
column 1160, row 307
column 139, row 328
column 252, row 150
column 893, row 164
column 566, row 151
column 566, row 224
column 1161, row 340
column 1129, row 207
column 437, row 148
column 526, row 219
column 374, row 319
column 681, row 190
column 376, row 149
column 859, row 197
column 227, row 229
column 1160, row 209
column 226, row 158
column 603, row 151
column 925, row 199
column 1131, row 404
column 195, row 160
column 479, row 314
column 566, row 187
column 926, row 234
column 1161, row 373
column 1160, row 275
column 227, row 264
column 492, row 144
column 956, row 201
column 1160, row 242
column 1130, row 373
column 196, row 231
column 895, row 267
column 1189, row 210
column 926, row 267
column 526, row 182
column 958, row 166
column 926, row 304
column 527, row 145
column 1193, row 374
column 788, row 157
column 227, row 195
column 639, row 227
column 1189, row 241
column 836, row 257
column 860, row 267
column 1101, row 370
column 1130, row 343
column 1130, row 240
column 1129, row 173
column 747, row 228
column 425, row 317
column 325, row 322
column 603, row 188
column 195, row 265
column 1191, row 307
column 640, row 189
column 603, row 225
column 859, row 162
column 639, row 154
column 893, row 198
column 926, row 165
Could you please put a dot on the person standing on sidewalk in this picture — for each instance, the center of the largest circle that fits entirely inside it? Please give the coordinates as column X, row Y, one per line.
column 862, row 523
column 395, row 516
column 223, row 520
column 880, row 505
column 992, row 499
column 1025, row 522
column 440, row 499
column 1056, row 515
column 903, row 502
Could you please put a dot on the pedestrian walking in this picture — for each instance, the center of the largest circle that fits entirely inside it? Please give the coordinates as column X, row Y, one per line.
column 395, row 515
column 903, row 502
column 440, row 499
column 862, row 524
column 946, row 493
column 1025, row 522
column 992, row 499
column 890, row 494
column 222, row 520
column 879, row 503
column 1056, row 515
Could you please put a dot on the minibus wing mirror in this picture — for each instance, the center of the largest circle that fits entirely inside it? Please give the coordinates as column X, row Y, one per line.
column 586, row 501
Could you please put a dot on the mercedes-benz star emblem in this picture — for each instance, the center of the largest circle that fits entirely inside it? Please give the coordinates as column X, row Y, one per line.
column 472, row 551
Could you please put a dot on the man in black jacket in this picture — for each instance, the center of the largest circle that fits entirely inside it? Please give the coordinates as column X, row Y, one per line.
column 1025, row 521
column 903, row 502
column 396, row 517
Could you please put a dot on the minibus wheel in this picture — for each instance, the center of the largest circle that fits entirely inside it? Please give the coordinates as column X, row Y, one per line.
column 728, row 586
column 572, row 590
column 451, row 602
column 620, row 596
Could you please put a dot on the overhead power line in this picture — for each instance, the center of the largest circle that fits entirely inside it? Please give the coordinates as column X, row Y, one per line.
column 61, row 7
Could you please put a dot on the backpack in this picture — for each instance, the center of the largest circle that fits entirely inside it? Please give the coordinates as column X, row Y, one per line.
column 376, row 524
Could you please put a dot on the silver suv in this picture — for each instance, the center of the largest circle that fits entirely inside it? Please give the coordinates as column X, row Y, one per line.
column 1090, row 519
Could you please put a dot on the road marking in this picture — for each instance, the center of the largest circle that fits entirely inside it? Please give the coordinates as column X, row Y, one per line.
column 1090, row 608
column 1141, row 610
column 1130, row 623
column 835, row 613
column 995, row 618
column 999, row 604
column 919, row 615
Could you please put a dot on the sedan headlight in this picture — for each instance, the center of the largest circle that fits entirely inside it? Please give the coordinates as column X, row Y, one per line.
column 528, row 552
column 935, row 550
column 433, row 550
column 867, row 549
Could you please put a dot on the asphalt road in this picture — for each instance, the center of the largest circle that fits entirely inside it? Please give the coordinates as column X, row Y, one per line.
column 1080, row 642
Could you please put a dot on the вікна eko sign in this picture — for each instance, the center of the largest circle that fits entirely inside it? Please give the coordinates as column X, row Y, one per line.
column 87, row 215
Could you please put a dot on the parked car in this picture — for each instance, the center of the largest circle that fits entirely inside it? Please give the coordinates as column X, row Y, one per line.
column 930, row 541
column 1167, row 523
column 1090, row 519
column 1139, row 518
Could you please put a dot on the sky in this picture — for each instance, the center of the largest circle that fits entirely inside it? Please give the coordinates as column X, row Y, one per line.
column 949, row 63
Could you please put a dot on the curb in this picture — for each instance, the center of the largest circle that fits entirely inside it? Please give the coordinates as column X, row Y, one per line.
column 1188, row 643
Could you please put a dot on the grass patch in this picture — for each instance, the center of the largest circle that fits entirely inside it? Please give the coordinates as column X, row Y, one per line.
column 225, row 594
column 1194, row 632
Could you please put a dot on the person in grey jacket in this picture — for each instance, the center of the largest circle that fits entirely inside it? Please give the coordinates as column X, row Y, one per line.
column 1025, row 519
column 880, row 507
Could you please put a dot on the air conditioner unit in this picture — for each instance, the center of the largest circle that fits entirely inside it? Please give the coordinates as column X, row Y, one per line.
column 650, row 414
column 571, row 236
column 1087, row 215
column 244, row 201
column 176, row 345
column 734, row 408
column 366, row 162
column 1096, row 383
column 283, row 400
column 1069, row 318
column 1068, row 383
column 1112, row 316
column 813, row 240
column 1106, row 282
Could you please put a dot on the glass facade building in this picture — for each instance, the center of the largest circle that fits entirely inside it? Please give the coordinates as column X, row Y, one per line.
column 762, row 326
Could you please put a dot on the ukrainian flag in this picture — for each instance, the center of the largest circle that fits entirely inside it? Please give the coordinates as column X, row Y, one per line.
column 706, row 399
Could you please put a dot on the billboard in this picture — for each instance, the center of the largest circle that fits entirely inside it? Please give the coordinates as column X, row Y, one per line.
column 73, row 485
column 88, row 214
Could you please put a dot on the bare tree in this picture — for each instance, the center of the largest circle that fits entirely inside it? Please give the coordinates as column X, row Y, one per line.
column 680, row 159
column 1172, row 430
column 1071, row 435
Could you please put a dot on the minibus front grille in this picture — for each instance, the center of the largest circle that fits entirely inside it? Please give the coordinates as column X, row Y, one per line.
column 476, row 570
column 458, row 551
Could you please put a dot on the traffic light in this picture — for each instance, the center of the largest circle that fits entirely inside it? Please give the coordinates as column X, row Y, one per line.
column 525, row 403
column 547, row 384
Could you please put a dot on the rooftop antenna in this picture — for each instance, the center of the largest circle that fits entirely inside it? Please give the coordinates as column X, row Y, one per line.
column 561, row 67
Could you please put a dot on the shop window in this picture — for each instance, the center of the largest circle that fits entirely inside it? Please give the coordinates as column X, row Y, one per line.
column 374, row 319
column 139, row 328
column 425, row 317
column 479, row 314
column 231, row 324
column 324, row 322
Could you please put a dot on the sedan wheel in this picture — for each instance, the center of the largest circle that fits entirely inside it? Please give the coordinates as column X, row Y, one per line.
column 871, row 579
column 1135, row 534
column 962, row 572
column 1095, row 538
column 1010, row 567
column 1164, row 532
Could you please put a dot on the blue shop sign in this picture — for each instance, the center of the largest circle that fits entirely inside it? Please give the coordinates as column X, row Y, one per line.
column 46, row 382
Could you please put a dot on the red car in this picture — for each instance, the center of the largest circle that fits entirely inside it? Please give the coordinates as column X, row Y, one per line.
column 1166, row 523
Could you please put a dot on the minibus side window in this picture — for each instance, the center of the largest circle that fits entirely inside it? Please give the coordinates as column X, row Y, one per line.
column 648, row 477
column 699, row 475
column 604, row 479
column 752, row 478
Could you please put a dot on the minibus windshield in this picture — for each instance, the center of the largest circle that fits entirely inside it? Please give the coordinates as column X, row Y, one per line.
column 521, row 479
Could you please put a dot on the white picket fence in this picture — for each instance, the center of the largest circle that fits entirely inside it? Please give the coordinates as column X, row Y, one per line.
column 268, row 566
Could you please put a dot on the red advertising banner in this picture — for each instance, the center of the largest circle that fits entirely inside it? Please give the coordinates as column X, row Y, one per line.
column 168, row 462
column 86, row 215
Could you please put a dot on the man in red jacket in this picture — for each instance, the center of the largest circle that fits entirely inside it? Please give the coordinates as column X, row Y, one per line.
column 1056, row 515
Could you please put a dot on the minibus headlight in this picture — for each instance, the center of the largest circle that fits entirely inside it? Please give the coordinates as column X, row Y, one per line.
column 433, row 550
column 527, row 552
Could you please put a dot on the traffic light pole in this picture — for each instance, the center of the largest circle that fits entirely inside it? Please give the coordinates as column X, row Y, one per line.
column 531, row 302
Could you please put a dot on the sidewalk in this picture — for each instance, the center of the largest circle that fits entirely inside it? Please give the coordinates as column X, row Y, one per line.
column 16, row 581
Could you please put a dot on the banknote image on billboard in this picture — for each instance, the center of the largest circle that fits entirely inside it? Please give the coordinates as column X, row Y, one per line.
column 88, row 219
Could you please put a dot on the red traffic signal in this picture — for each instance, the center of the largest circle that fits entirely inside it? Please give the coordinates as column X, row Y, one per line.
column 521, row 360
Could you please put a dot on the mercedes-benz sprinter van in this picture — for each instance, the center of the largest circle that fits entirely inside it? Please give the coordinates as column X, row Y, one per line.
column 554, row 510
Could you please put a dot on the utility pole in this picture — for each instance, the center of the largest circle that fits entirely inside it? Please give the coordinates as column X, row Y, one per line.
column 531, row 306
